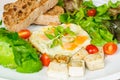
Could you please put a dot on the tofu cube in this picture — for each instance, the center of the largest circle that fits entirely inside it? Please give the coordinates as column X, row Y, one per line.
column 57, row 70
column 80, row 55
column 95, row 61
column 76, row 68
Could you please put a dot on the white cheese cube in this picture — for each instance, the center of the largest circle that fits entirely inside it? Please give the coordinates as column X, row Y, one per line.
column 76, row 68
column 80, row 55
column 95, row 61
column 57, row 70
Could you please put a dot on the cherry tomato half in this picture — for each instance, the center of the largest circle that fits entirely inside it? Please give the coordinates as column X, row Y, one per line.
column 91, row 49
column 91, row 12
column 24, row 33
column 110, row 48
column 45, row 59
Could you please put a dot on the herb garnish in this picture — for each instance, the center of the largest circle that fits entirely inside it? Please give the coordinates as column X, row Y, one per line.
column 57, row 34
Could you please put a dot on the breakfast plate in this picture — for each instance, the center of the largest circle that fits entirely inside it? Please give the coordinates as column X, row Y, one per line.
column 110, row 72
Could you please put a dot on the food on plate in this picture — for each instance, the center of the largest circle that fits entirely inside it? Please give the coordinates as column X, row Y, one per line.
column 57, row 70
column 76, row 64
column 115, row 9
column 24, row 33
column 16, row 53
column 51, row 17
column 45, row 59
column 91, row 12
column 76, row 68
column 61, row 58
column 80, row 55
column 96, row 26
column 92, row 49
column 81, row 41
column 114, row 28
column 20, row 14
column 95, row 61
column 64, row 39
column 110, row 48
column 67, row 43
column 72, row 5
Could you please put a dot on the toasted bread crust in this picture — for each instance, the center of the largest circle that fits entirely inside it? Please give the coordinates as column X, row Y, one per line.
column 20, row 14
column 57, row 10
column 51, row 17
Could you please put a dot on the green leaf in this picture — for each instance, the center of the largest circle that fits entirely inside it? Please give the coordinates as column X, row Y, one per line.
column 54, row 43
column 6, row 55
column 102, row 9
column 0, row 22
column 17, row 53
column 30, row 66
column 102, row 18
column 56, row 32
column 106, row 35
column 60, row 29
column 89, row 4
column 113, row 5
column 64, row 17
column 60, row 3
column 68, row 31
column 50, row 36
column 80, row 15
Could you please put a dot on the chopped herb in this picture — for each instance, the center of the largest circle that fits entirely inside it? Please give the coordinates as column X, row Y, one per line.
column 57, row 35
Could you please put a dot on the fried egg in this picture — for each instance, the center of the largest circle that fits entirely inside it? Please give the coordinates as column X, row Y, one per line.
column 68, row 44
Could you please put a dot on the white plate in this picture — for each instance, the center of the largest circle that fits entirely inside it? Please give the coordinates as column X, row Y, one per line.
column 110, row 72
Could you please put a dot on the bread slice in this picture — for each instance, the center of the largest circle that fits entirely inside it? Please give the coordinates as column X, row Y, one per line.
column 20, row 14
column 51, row 17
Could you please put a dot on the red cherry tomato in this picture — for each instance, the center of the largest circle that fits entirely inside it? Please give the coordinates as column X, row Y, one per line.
column 91, row 12
column 91, row 49
column 24, row 33
column 110, row 48
column 45, row 59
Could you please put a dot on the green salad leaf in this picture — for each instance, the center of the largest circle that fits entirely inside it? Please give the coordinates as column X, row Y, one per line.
column 102, row 9
column 17, row 53
column 113, row 5
column 89, row 4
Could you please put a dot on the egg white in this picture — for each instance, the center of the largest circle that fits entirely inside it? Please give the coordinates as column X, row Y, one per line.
column 43, row 45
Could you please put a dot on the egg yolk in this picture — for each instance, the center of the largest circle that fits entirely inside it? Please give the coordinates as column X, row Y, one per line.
column 72, row 45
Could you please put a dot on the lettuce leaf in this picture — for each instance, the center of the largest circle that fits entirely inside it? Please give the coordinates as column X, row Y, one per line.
column 6, row 55
column 18, row 53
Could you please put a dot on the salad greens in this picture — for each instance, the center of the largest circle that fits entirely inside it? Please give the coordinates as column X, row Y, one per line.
column 70, row 5
column 17, row 53
column 115, row 29
column 96, row 26
column 60, row 3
